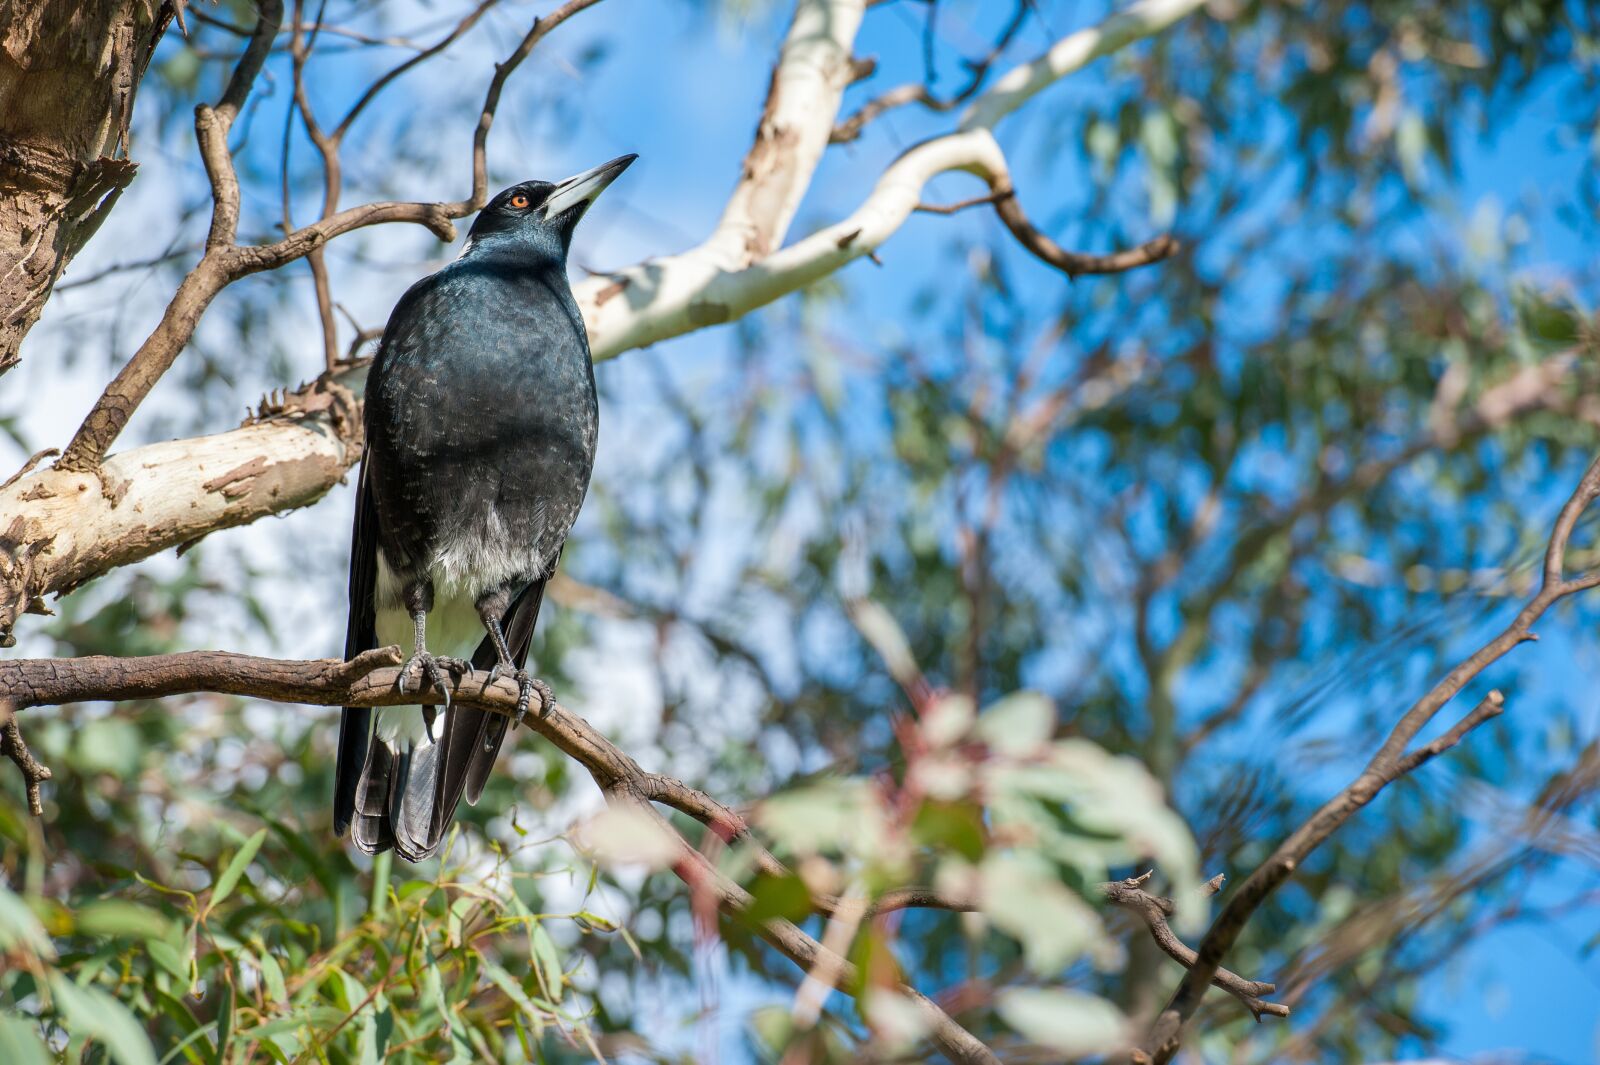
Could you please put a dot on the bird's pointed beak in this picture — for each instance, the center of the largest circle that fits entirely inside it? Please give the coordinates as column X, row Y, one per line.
column 580, row 190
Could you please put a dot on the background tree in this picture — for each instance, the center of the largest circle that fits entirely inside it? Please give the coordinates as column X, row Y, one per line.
column 1230, row 514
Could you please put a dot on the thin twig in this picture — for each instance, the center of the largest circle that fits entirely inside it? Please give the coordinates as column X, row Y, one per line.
column 33, row 771
column 1156, row 911
column 912, row 92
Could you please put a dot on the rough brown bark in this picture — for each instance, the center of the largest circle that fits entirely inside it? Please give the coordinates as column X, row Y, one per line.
column 68, row 73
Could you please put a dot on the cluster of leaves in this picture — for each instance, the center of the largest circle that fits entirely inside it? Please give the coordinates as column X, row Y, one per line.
column 275, row 949
column 991, row 810
column 1014, row 826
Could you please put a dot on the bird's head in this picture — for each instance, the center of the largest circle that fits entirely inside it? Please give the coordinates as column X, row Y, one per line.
column 541, row 215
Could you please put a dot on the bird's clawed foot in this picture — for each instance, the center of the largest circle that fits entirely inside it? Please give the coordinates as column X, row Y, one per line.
column 527, row 684
column 433, row 668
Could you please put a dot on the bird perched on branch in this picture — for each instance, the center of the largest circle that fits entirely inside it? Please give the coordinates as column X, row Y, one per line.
column 481, row 422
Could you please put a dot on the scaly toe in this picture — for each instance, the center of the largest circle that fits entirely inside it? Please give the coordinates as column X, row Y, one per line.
column 527, row 685
column 436, row 677
column 405, row 671
column 525, row 690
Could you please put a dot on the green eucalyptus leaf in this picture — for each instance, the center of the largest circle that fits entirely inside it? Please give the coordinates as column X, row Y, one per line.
column 230, row 876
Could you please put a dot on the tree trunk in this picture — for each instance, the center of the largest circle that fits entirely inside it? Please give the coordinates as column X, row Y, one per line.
column 68, row 73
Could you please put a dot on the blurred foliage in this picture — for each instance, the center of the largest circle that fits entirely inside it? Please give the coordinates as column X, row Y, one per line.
column 268, row 947
column 1220, row 519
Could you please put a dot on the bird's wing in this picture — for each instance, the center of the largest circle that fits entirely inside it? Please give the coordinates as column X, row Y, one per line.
column 355, row 727
column 472, row 737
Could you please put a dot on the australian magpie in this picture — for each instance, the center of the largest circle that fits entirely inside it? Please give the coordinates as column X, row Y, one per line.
column 481, row 422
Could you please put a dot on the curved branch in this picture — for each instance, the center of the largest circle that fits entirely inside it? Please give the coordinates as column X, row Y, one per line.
column 726, row 277
column 1155, row 911
column 1072, row 263
column 370, row 680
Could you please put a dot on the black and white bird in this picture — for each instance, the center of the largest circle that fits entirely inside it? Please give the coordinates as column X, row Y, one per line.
column 481, row 422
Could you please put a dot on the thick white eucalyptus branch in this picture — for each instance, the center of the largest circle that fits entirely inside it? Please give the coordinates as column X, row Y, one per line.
column 62, row 528
column 726, row 276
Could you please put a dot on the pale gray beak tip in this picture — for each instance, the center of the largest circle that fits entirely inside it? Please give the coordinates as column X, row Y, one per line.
column 581, row 190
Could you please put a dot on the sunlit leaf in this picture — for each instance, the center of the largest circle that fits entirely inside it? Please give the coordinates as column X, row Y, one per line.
column 21, row 1043
column 622, row 835
column 19, row 927
column 1018, row 724
column 1069, row 1022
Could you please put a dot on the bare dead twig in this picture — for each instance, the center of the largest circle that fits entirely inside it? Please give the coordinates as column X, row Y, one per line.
column 1072, row 263
column 1076, row 264
column 27, row 467
column 962, row 205
column 1156, row 911
column 914, row 92
column 1389, row 763
column 12, row 747
column 491, row 102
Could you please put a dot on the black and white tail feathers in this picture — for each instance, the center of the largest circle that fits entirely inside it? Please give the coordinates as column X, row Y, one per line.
column 403, row 793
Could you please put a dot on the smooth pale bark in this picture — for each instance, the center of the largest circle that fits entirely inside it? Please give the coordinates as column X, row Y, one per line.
column 59, row 528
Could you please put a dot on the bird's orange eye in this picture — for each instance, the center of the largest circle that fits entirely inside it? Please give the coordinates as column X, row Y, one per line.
column 519, row 201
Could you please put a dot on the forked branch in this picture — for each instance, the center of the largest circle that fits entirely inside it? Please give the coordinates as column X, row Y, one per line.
column 1393, row 759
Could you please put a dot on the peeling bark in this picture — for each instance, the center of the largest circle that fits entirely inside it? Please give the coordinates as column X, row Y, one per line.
column 68, row 73
column 65, row 527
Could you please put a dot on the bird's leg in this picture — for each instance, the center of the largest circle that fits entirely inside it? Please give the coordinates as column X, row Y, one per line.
column 492, row 606
column 418, row 601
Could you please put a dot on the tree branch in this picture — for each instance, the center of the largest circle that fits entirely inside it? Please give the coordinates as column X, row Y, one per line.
column 1073, row 52
column 1072, row 263
column 919, row 92
column 225, row 262
column 370, row 679
column 540, row 29
column 724, row 277
column 1156, row 911
column 13, row 748
column 63, row 528
column 1388, row 764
